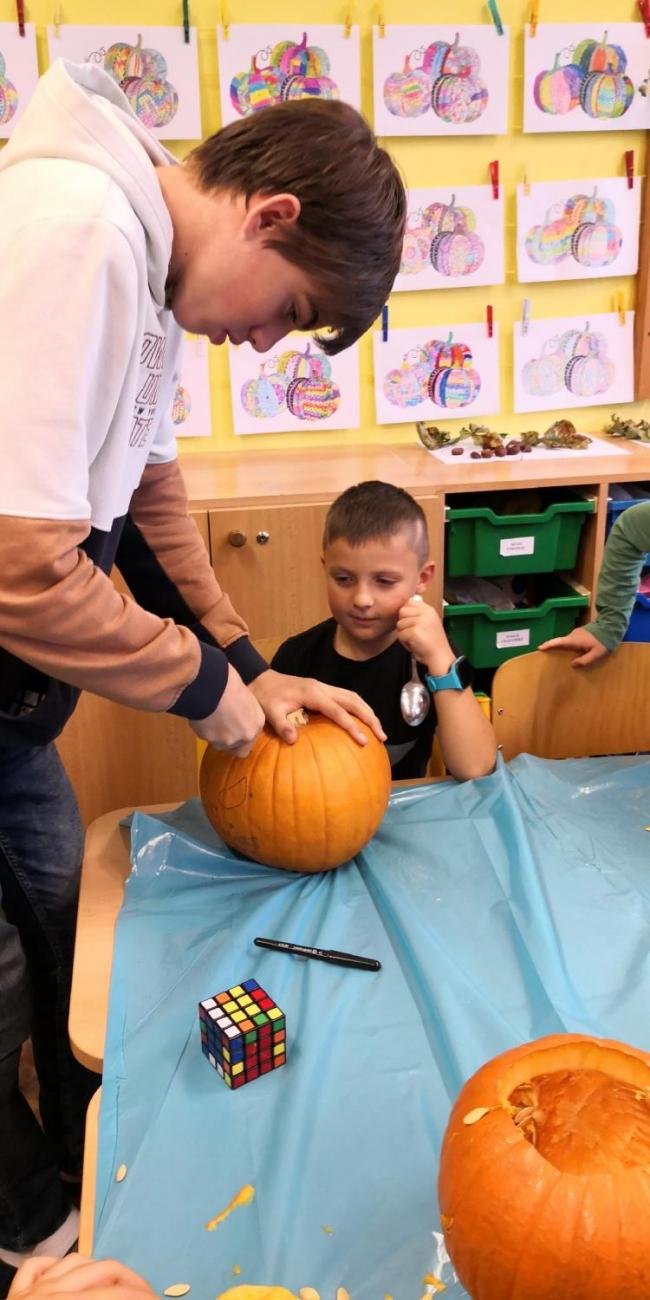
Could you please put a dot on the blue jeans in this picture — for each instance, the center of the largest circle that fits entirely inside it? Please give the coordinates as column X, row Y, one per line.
column 41, row 841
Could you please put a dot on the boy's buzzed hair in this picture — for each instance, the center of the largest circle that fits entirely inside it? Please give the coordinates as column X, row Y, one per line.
column 375, row 510
column 349, row 234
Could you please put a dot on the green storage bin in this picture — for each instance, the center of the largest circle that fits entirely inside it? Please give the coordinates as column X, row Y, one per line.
column 487, row 637
column 484, row 544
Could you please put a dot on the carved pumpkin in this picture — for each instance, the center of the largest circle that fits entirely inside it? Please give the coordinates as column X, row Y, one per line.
column 313, row 399
column 256, row 89
column 457, row 60
column 404, row 387
column 453, row 386
column 544, row 1188
column 598, row 56
column 589, row 375
column 408, row 93
column 457, row 254
column 8, row 100
column 606, row 94
column 304, row 87
column 459, row 99
column 264, row 396
column 303, row 365
column 557, row 91
column 415, row 251
column 306, row 807
column 595, row 243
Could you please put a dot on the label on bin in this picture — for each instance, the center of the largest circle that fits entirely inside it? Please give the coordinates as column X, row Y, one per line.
column 517, row 546
column 516, row 636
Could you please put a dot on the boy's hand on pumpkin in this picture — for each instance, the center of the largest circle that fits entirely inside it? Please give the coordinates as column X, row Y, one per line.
column 43, row 1278
column 420, row 630
column 592, row 650
column 280, row 694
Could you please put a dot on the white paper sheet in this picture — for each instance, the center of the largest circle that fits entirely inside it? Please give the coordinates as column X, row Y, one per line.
column 191, row 409
column 263, row 63
column 293, row 387
column 454, row 238
column 586, row 77
column 164, row 79
column 441, row 79
column 18, row 73
column 566, row 362
column 598, row 447
column 411, row 365
column 574, row 230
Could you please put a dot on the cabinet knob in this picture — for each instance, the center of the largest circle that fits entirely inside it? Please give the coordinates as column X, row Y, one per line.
column 237, row 538
column 262, row 538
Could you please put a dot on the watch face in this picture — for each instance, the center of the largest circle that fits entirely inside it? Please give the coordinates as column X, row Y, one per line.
column 465, row 671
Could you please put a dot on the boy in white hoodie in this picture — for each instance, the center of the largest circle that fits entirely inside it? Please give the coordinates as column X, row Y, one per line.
column 292, row 218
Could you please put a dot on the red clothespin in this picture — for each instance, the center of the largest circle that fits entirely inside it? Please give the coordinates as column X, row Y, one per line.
column 489, row 312
column 494, row 177
column 644, row 6
column 629, row 168
column 20, row 14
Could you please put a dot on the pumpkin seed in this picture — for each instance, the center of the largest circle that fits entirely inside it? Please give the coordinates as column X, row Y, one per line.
column 473, row 1116
column 121, row 1174
column 236, row 1270
column 329, row 1231
column 179, row 1288
column 308, row 1293
column 342, row 1294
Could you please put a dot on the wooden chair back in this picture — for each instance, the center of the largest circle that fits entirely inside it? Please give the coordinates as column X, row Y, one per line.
column 543, row 706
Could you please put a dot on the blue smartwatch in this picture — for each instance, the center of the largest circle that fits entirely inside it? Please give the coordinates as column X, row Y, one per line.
column 459, row 677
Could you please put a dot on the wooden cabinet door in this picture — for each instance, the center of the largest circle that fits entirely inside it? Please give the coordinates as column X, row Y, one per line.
column 268, row 560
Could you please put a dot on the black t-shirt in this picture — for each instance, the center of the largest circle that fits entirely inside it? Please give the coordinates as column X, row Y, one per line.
column 378, row 681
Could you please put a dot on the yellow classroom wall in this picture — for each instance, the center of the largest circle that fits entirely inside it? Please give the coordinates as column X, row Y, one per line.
column 425, row 161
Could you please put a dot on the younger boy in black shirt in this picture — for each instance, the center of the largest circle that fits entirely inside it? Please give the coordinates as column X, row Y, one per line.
column 376, row 559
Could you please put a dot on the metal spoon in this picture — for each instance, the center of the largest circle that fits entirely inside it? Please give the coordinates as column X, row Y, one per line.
column 414, row 700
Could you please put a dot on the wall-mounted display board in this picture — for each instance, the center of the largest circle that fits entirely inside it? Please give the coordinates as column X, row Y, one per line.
column 270, row 63
column 576, row 230
column 587, row 77
column 155, row 67
column 452, row 239
column 436, row 373
column 18, row 73
column 441, row 80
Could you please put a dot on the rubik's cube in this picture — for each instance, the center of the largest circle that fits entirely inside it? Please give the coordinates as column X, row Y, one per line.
column 243, row 1033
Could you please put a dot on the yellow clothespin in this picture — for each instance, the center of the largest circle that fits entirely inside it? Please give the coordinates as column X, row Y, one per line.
column 381, row 21
column 534, row 17
column 347, row 28
column 225, row 19
column 526, row 183
column 57, row 20
column 619, row 306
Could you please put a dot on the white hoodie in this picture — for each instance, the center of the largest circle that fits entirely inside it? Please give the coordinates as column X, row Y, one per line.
column 88, row 363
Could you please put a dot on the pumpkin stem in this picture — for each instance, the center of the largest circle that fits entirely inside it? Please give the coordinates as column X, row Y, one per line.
column 303, row 43
column 453, row 200
column 456, row 39
column 451, row 335
column 556, row 63
column 604, row 40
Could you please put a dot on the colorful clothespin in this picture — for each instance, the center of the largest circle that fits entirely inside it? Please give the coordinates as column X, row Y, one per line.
column 186, row 21
column 534, row 18
column 225, row 19
column 384, row 324
column 489, row 315
column 381, row 21
column 20, row 14
column 525, row 315
column 619, row 307
column 495, row 15
column 644, row 6
column 494, row 177
column 526, row 182
column 629, row 168
column 347, row 25
column 57, row 19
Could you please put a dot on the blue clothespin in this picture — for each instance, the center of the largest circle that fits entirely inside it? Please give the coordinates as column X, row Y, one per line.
column 495, row 15
column 186, row 21
column 384, row 324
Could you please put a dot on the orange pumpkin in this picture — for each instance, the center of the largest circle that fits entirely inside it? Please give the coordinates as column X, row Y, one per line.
column 545, row 1173
column 308, row 806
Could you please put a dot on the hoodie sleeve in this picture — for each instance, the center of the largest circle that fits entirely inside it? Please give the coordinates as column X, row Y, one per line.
column 618, row 581
column 66, row 333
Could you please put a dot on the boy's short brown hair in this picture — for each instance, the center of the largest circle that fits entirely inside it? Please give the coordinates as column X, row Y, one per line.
column 352, row 202
column 374, row 510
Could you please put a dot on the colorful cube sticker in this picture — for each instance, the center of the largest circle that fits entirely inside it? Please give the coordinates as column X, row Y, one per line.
column 242, row 1033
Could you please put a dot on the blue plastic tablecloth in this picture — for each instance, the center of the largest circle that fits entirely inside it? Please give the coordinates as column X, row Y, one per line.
column 501, row 910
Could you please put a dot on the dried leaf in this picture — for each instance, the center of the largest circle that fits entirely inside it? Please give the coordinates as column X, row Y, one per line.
column 473, row 1116
column 121, row 1174
column 179, row 1288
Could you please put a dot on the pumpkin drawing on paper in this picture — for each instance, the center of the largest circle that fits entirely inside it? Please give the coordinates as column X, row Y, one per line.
column 440, row 370
column 586, row 230
column 577, row 360
column 444, row 236
column 443, row 77
column 8, row 95
column 142, row 75
column 594, row 80
column 310, row 806
column 408, row 93
column 290, row 70
column 544, row 1183
column 181, row 405
column 313, row 399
